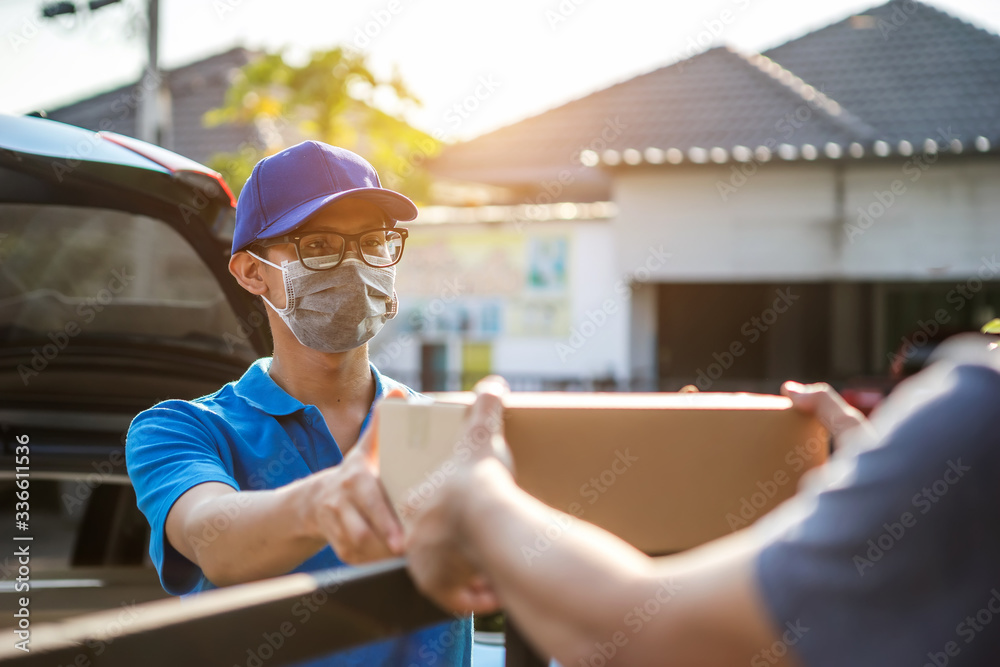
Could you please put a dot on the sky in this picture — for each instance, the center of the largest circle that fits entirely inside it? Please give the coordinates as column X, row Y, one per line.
column 475, row 65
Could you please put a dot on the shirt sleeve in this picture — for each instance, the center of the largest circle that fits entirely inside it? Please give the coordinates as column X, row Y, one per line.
column 168, row 451
column 885, row 552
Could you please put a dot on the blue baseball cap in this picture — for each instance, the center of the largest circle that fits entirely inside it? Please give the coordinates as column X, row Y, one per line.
column 286, row 189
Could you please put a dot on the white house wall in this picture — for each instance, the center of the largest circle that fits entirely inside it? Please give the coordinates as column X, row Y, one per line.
column 598, row 342
column 941, row 226
column 783, row 224
column 596, row 345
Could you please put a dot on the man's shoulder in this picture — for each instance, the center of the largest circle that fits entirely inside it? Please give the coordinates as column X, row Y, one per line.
column 217, row 402
column 388, row 384
column 194, row 405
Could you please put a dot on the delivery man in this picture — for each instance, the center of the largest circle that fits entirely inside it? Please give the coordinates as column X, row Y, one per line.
column 267, row 475
column 888, row 556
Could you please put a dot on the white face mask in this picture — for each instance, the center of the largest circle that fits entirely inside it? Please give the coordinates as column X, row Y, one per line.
column 337, row 309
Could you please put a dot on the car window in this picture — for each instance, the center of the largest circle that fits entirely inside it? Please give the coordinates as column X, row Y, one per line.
column 57, row 508
column 101, row 274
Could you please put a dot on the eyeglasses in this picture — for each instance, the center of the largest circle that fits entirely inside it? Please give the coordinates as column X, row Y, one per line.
column 321, row 250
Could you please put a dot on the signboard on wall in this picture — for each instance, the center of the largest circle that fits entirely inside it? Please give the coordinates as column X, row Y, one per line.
column 485, row 283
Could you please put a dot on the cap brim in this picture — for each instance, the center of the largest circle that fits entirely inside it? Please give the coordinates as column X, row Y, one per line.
column 393, row 204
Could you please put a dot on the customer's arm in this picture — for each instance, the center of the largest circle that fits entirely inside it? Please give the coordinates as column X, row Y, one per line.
column 834, row 567
column 588, row 594
column 238, row 536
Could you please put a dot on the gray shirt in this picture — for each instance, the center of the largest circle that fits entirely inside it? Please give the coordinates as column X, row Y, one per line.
column 890, row 554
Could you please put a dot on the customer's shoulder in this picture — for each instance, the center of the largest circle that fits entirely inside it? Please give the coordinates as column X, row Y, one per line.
column 969, row 348
column 951, row 406
column 972, row 362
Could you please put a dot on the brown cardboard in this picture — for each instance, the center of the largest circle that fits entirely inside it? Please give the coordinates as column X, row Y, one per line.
column 665, row 472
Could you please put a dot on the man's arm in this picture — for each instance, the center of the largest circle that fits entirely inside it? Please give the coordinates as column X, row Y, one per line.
column 589, row 593
column 239, row 536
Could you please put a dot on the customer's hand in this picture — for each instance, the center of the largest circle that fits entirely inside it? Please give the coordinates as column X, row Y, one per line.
column 349, row 506
column 819, row 399
column 438, row 552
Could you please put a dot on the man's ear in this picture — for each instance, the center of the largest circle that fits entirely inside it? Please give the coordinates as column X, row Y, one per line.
column 248, row 272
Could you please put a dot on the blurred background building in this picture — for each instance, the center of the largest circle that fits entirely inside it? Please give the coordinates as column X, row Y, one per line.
column 193, row 90
column 827, row 209
column 829, row 206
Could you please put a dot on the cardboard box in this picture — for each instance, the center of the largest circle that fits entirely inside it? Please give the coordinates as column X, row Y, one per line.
column 665, row 472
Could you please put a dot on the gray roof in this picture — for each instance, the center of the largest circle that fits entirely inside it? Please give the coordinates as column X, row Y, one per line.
column 195, row 89
column 909, row 70
column 854, row 89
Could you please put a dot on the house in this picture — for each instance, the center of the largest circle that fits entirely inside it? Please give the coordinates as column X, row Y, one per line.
column 823, row 210
column 194, row 89
column 500, row 289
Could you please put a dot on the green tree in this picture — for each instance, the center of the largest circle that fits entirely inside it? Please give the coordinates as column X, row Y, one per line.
column 333, row 97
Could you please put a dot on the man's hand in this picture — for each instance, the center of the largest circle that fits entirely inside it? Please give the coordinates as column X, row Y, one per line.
column 437, row 548
column 819, row 399
column 350, row 509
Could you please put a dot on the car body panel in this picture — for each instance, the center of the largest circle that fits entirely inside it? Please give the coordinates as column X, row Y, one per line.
column 40, row 139
column 77, row 411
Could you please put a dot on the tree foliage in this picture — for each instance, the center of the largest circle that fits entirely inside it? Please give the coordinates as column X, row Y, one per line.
column 333, row 97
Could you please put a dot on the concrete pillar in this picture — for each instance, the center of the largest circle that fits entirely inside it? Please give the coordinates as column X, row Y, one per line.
column 643, row 365
column 847, row 354
column 784, row 338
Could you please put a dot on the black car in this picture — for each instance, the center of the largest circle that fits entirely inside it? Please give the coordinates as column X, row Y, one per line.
column 114, row 294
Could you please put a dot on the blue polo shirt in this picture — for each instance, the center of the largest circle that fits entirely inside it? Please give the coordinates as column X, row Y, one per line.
column 252, row 435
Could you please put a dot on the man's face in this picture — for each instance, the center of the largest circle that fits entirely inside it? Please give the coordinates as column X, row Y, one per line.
column 348, row 216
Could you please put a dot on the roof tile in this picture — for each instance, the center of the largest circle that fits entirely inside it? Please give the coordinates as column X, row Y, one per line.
column 914, row 73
